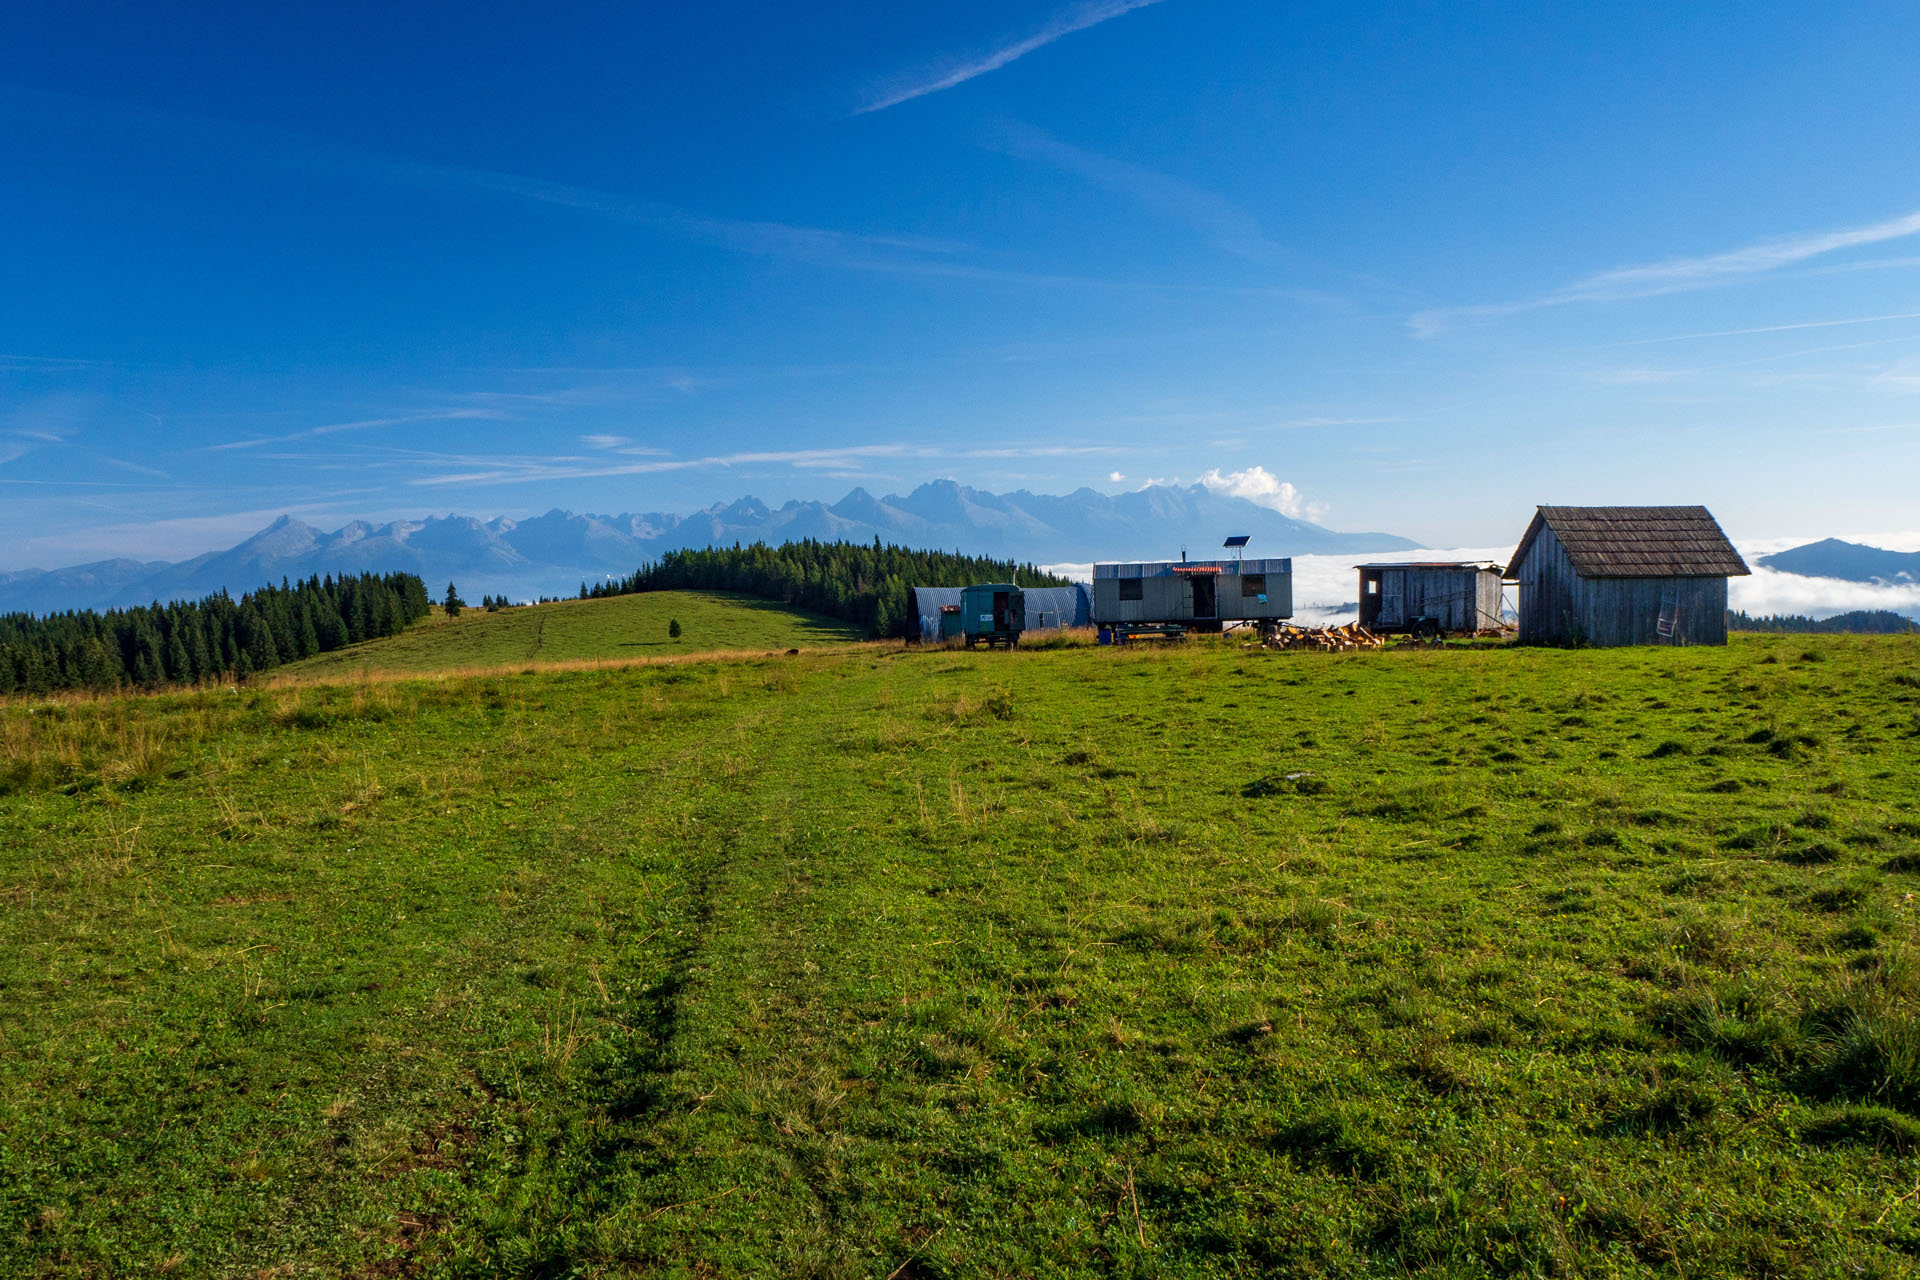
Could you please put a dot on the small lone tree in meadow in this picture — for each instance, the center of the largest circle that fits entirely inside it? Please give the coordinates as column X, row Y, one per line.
column 673, row 628
column 453, row 603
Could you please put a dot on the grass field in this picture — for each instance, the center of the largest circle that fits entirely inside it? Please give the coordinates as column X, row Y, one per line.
column 622, row 627
column 1185, row 962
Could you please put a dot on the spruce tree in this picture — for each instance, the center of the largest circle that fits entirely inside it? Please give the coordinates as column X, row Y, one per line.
column 179, row 662
column 98, row 670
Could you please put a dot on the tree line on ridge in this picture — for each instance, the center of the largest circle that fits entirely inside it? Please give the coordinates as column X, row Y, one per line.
column 218, row 637
column 863, row 584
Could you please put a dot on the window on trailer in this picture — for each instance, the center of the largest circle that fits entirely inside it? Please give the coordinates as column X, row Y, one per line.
column 1253, row 586
column 1130, row 589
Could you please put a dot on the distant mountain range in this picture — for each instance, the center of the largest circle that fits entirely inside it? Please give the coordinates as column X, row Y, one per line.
column 1849, row 561
column 551, row 554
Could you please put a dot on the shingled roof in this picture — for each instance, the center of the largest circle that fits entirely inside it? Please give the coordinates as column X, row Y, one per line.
column 1637, row 542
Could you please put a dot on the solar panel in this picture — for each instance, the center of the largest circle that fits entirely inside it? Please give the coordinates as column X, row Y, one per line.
column 1238, row 540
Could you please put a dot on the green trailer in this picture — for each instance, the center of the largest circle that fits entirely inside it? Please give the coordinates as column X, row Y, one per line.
column 993, row 614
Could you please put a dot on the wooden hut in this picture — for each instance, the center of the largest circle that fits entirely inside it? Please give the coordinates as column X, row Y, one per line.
column 1450, row 597
column 1624, row 575
column 1202, row 595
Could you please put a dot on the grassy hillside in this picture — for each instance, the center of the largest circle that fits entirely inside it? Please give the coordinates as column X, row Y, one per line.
column 1189, row 962
column 574, row 630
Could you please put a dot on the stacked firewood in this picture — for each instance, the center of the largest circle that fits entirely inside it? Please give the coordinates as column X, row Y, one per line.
column 1285, row 635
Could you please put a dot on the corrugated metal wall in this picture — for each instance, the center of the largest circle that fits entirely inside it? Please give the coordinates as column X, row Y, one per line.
column 1166, row 591
column 1048, row 608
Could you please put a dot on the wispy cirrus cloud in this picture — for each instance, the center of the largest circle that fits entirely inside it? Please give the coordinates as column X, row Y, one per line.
column 482, row 470
column 361, row 424
column 1674, row 275
column 1902, row 376
column 952, row 72
column 14, row 362
column 1338, row 422
column 41, row 422
column 1218, row 220
column 748, row 236
column 1769, row 328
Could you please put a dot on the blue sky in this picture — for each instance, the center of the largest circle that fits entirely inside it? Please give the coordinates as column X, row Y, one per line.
column 1408, row 267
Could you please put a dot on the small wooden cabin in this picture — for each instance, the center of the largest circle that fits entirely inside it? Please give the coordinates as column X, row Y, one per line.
column 1457, row 596
column 1204, row 595
column 1624, row 575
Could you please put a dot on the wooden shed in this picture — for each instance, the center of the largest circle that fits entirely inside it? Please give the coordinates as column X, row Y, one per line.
column 1453, row 596
column 1624, row 575
column 1202, row 595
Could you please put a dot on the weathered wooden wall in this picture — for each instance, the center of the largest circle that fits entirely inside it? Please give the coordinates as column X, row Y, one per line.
column 1558, row 606
column 1462, row 599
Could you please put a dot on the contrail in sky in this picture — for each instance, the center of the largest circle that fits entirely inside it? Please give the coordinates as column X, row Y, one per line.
column 1078, row 18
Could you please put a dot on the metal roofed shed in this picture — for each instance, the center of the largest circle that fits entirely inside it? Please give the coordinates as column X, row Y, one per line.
column 1430, row 598
column 1048, row 608
column 1624, row 575
column 1201, row 595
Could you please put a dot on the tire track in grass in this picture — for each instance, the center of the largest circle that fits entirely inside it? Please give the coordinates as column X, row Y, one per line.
column 778, row 1172
column 613, row 1145
column 715, row 1131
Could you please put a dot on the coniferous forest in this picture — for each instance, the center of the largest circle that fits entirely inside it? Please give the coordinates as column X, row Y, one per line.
column 1858, row 622
column 215, row 638
column 854, row 582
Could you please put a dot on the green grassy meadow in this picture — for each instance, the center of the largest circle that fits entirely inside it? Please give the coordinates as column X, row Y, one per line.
column 1195, row 961
column 572, row 631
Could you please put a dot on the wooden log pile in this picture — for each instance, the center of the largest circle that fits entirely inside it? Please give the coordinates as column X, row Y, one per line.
column 1286, row 635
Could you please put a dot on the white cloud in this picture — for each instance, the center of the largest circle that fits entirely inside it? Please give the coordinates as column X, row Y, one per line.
column 1769, row 591
column 1258, row 485
column 1114, row 477
column 947, row 75
column 1672, row 275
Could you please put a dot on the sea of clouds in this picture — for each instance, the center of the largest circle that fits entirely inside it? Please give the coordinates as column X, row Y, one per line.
column 1326, row 589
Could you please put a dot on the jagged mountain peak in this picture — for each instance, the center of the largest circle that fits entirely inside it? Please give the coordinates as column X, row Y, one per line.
column 550, row 553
